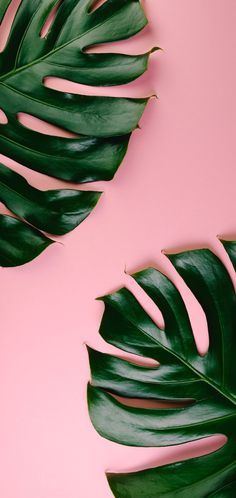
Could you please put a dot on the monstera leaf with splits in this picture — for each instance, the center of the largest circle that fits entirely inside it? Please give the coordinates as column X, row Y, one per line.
column 207, row 383
column 102, row 125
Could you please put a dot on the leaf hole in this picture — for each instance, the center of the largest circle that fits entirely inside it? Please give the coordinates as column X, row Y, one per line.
column 173, row 454
column 3, row 117
column 146, row 302
column 133, row 358
column 195, row 311
column 139, row 43
column 129, row 90
column 152, row 403
column 5, row 26
column 223, row 255
column 40, row 126
column 140, row 361
column 198, row 321
column 48, row 23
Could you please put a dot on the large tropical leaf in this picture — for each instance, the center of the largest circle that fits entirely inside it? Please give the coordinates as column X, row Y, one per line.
column 103, row 124
column 206, row 384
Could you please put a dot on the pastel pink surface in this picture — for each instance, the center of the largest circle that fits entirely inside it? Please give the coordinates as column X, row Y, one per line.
column 175, row 190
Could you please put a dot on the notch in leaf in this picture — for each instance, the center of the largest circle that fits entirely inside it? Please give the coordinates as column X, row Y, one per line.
column 207, row 383
column 103, row 125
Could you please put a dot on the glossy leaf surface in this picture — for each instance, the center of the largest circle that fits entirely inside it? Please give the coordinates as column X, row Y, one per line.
column 102, row 125
column 54, row 211
column 19, row 242
column 202, row 387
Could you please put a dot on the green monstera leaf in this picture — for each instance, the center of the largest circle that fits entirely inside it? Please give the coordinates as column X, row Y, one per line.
column 102, row 125
column 206, row 383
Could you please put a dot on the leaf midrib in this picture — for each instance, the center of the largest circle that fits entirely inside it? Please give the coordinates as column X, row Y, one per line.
column 53, row 51
column 48, row 104
column 35, row 151
column 31, row 202
column 188, row 365
column 41, row 204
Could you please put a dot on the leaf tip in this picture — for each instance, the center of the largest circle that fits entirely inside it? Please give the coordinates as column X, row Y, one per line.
column 100, row 298
column 155, row 49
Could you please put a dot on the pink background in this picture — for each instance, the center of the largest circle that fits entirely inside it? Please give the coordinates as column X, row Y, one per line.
column 175, row 189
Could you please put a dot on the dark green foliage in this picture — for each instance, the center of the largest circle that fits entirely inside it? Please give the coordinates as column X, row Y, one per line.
column 103, row 124
column 206, row 383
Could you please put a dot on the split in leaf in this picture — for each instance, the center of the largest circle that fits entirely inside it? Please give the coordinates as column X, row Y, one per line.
column 103, row 124
column 206, row 383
